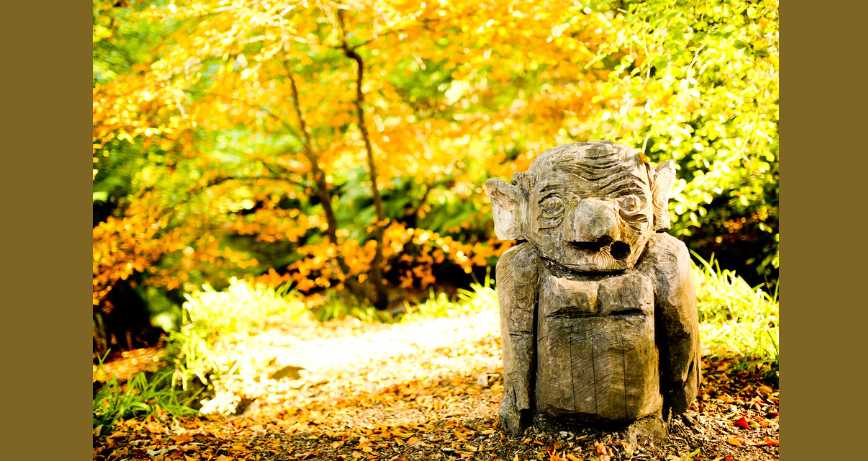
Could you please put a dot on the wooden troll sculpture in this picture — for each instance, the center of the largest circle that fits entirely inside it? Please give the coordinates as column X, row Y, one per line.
column 597, row 311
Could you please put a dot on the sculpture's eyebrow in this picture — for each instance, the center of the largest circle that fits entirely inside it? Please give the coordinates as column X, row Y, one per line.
column 551, row 186
column 623, row 184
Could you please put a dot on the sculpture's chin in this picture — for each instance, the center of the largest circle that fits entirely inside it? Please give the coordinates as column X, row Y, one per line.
column 608, row 259
column 598, row 260
column 596, row 267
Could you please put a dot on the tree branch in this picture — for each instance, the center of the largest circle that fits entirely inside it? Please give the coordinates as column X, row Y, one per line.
column 259, row 107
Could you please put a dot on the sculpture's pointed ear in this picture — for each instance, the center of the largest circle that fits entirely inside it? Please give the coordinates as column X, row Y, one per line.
column 664, row 179
column 508, row 203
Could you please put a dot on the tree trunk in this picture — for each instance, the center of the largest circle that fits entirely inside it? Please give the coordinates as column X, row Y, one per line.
column 323, row 193
column 381, row 300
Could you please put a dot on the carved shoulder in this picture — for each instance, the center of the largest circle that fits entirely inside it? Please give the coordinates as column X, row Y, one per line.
column 519, row 259
column 667, row 261
column 518, row 278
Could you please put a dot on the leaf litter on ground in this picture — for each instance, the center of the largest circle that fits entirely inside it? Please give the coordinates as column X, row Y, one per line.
column 425, row 389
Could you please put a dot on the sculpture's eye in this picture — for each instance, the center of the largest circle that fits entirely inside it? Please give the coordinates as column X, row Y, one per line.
column 552, row 204
column 630, row 203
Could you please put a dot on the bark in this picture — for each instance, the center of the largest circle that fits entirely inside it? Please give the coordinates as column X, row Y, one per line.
column 322, row 192
column 381, row 299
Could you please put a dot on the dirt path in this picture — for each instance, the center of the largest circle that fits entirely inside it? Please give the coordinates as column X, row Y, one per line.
column 419, row 390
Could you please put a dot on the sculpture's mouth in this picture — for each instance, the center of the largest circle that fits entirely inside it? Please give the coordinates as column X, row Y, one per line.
column 589, row 247
column 618, row 250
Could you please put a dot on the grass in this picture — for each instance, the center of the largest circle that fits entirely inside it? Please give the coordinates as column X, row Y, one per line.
column 480, row 296
column 140, row 396
column 335, row 307
column 735, row 318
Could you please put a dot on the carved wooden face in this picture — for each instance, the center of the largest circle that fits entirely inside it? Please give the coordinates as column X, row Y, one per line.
column 588, row 207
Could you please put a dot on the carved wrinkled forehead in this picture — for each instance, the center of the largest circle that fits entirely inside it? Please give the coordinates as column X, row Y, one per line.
column 604, row 163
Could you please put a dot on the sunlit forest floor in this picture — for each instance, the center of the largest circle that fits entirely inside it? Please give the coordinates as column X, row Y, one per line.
column 424, row 389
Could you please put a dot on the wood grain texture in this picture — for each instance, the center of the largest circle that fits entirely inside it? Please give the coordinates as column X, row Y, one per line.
column 598, row 313
column 596, row 346
column 667, row 262
column 517, row 280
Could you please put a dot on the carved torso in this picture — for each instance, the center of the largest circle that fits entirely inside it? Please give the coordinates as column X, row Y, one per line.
column 597, row 357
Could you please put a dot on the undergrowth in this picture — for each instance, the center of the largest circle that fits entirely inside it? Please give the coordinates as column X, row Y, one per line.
column 335, row 307
column 212, row 321
column 735, row 318
column 480, row 296
column 142, row 395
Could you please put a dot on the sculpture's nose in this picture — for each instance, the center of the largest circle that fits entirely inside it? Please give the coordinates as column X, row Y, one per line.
column 592, row 223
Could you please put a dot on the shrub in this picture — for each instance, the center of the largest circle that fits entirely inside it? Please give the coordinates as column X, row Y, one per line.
column 141, row 395
column 334, row 306
column 212, row 319
column 478, row 298
column 735, row 317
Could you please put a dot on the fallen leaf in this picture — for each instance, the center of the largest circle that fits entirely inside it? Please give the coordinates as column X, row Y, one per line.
column 291, row 372
column 741, row 422
column 734, row 441
column 772, row 442
column 153, row 428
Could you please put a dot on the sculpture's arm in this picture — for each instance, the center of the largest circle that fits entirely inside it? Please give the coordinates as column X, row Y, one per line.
column 517, row 288
column 667, row 262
